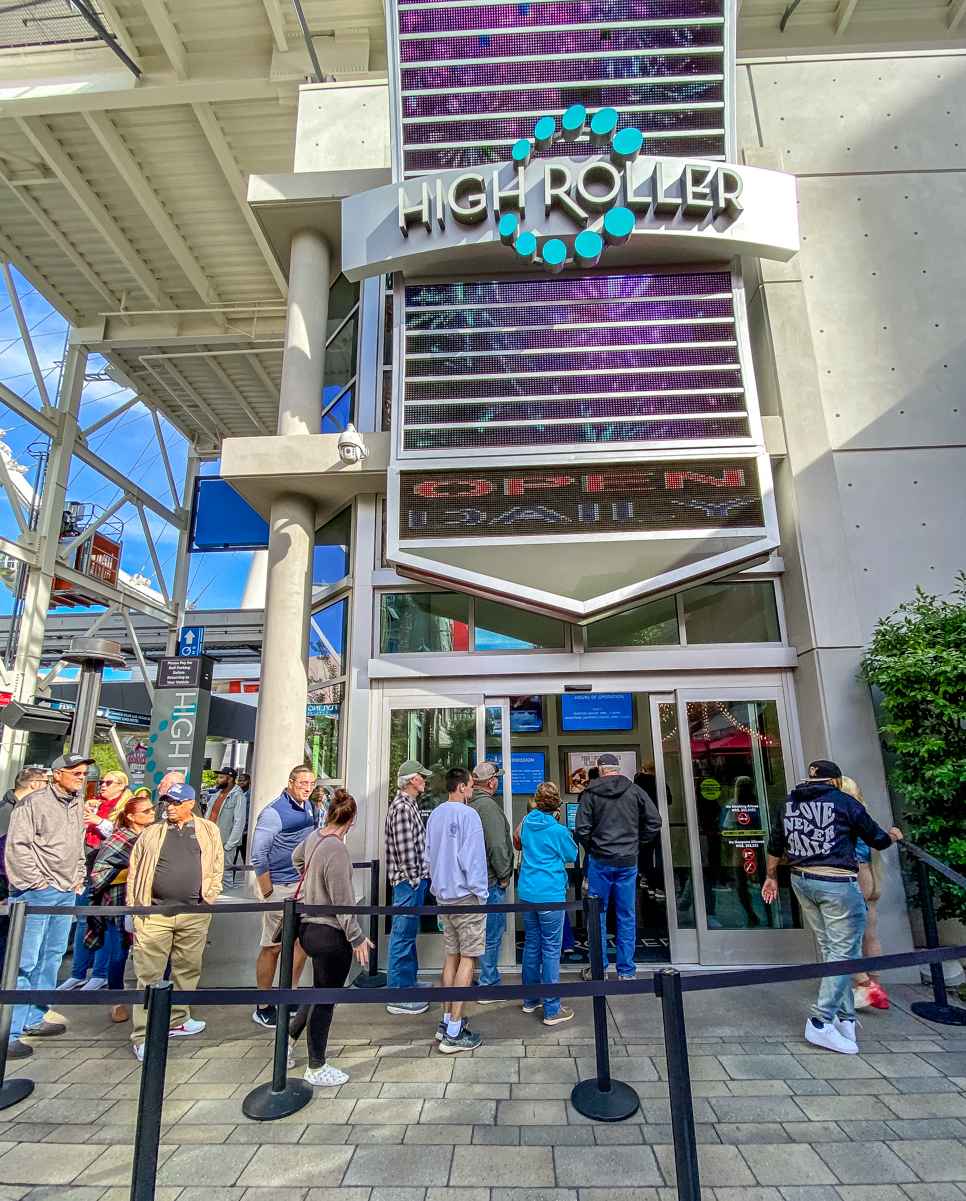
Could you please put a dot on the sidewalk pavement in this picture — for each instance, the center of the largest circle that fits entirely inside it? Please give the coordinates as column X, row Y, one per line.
column 776, row 1119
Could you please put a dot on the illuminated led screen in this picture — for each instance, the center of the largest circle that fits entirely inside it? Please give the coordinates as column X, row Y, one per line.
column 671, row 495
column 472, row 77
column 600, row 359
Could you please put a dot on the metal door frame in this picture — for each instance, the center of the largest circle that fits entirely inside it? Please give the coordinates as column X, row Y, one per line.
column 719, row 947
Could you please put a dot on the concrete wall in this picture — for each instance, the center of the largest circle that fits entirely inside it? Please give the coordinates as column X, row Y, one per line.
column 859, row 346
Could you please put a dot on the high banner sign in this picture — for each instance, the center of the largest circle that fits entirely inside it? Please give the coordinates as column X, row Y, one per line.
column 574, row 415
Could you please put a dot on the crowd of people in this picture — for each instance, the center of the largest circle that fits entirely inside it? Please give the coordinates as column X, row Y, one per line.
column 65, row 853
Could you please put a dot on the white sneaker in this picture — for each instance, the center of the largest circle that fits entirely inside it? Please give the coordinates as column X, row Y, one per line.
column 828, row 1037
column 862, row 996
column 186, row 1028
column 138, row 1049
column 290, row 1061
column 94, row 983
column 529, row 1007
column 325, row 1077
column 846, row 1028
column 70, row 984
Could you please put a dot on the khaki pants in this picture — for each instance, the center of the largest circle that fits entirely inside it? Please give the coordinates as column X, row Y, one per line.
column 158, row 937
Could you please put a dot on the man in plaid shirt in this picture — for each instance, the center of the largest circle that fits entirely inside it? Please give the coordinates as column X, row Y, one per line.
column 405, row 847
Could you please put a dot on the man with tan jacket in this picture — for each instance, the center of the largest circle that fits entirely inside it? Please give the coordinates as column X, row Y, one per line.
column 177, row 861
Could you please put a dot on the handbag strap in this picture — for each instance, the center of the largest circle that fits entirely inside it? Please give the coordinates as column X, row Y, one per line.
column 298, row 890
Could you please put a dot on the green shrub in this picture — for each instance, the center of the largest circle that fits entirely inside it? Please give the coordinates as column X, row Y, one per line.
column 917, row 660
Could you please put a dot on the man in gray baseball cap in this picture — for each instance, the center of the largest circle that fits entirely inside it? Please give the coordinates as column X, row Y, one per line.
column 405, row 852
column 45, row 866
column 499, row 862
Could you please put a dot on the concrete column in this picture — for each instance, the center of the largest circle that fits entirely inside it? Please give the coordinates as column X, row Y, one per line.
column 305, row 329
column 280, row 729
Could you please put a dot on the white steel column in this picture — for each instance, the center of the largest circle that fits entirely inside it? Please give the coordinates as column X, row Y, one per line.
column 182, row 563
column 280, row 732
column 46, row 540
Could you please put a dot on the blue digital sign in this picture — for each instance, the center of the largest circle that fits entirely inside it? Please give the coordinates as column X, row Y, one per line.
column 526, row 716
column 589, row 711
column 529, row 769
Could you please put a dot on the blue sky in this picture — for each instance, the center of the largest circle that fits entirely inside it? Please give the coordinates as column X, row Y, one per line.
column 128, row 444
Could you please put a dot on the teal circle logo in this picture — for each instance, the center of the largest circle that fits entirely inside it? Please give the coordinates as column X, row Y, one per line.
column 618, row 221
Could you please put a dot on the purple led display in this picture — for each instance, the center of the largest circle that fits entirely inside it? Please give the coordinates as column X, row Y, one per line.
column 505, row 64
column 492, row 363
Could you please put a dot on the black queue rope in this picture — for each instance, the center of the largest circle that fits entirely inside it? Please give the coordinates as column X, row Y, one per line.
column 601, row 1098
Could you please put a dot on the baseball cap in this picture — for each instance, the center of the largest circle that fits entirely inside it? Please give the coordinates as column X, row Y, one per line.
column 180, row 792
column 412, row 767
column 608, row 759
column 824, row 769
column 227, row 771
column 69, row 761
column 486, row 770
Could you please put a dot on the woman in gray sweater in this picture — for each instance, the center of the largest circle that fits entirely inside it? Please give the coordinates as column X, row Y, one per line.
column 330, row 942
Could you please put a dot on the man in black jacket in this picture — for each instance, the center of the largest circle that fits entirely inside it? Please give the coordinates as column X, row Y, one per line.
column 816, row 832
column 614, row 819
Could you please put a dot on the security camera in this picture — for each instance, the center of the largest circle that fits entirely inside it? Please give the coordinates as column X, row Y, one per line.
column 352, row 449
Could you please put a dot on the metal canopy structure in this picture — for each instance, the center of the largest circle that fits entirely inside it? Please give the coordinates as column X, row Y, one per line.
column 128, row 130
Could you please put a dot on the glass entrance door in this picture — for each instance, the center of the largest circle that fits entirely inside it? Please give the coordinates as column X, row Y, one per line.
column 441, row 734
column 736, row 772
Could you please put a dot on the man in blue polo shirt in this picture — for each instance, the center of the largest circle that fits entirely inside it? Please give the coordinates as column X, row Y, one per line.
column 282, row 825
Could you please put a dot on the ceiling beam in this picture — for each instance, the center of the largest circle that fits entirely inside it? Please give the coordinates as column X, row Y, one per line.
column 84, row 196
column 957, row 11
column 843, row 15
column 13, row 254
column 270, row 387
column 126, row 166
column 236, row 184
column 157, row 13
column 273, row 10
column 113, row 17
column 63, row 244
column 227, row 383
column 192, row 91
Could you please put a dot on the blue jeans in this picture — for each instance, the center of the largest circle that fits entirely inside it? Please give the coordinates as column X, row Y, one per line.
column 115, row 951
column 44, row 942
column 403, row 963
column 495, row 929
column 84, row 958
column 543, row 930
column 621, row 883
column 836, row 914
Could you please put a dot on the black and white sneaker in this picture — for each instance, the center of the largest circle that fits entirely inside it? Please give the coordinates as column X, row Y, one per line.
column 441, row 1031
column 265, row 1015
column 466, row 1040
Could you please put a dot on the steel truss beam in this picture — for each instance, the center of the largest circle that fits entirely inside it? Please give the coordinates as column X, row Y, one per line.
column 171, row 43
column 843, row 15
column 25, row 337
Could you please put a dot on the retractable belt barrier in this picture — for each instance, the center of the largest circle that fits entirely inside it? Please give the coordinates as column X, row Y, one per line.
column 600, row 1098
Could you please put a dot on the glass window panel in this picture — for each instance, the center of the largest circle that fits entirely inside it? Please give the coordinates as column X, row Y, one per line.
column 327, row 632
column 655, row 624
column 340, row 356
column 505, row 628
column 424, row 621
column 330, row 559
column 732, row 612
column 739, row 784
column 323, row 729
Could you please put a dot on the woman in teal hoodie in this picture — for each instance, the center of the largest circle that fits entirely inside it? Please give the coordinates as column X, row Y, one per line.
column 547, row 849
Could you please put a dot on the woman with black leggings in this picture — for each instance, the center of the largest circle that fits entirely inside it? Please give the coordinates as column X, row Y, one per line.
column 330, row 942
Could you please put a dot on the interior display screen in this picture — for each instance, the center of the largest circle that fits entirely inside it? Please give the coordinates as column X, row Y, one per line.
column 596, row 711
column 526, row 716
column 528, row 769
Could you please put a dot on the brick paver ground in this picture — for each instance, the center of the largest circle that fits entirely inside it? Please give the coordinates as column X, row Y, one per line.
column 776, row 1120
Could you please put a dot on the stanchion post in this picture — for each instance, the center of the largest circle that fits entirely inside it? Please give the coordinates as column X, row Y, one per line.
column 668, row 983
column 282, row 1095
column 373, row 978
column 151, row 1094
column 938, row 1009
column 601, row 1099
column 12, row 1091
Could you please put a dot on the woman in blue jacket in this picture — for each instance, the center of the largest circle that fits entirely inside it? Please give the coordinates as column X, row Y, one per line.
column 547, row 849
